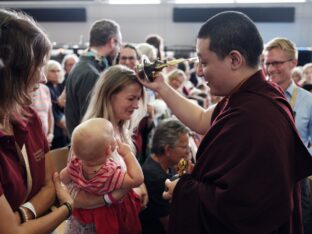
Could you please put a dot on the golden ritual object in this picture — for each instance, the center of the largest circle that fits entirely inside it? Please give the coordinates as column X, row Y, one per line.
column 182, row 165
column 146, row 69
column 181, row 169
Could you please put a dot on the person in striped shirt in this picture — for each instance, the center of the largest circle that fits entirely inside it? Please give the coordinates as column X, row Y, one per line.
column 93, row 169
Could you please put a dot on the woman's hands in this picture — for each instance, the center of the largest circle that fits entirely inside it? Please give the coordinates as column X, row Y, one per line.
column 61, row 191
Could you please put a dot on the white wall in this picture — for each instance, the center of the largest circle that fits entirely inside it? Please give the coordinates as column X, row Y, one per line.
column 137, row 21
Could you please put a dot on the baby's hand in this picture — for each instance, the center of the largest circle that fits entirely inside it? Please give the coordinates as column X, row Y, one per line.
column 123, row 149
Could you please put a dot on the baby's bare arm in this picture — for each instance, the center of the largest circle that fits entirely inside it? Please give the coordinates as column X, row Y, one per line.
column 134, row 176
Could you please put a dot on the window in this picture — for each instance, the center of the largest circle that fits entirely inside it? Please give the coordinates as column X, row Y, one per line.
column 202, row 1
column 269, row 1
column 234, row 1
column 134, row 1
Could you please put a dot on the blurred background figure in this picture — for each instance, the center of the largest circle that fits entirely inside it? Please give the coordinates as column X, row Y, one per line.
column 129, row 56
column 42, row 104
column 158, row 42
column 307, row 76
column 148, row 50
column 176, row 79
column 296, row 75
column 55, row 76
column 68, row 63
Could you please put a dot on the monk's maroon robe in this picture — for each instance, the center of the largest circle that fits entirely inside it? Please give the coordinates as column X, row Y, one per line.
column 248, row 167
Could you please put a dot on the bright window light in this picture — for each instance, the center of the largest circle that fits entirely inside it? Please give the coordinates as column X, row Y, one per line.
column 234, row 1
column 269, row 1
column 202, row 1
column 134, row 1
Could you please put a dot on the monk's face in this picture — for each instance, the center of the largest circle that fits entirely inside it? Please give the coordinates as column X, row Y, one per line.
column 278, row 65
column 216, row 71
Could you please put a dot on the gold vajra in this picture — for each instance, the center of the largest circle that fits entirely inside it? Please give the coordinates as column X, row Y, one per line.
column 182, row 165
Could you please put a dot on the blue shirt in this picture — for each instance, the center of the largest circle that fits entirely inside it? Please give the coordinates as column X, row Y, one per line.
column 303, row 112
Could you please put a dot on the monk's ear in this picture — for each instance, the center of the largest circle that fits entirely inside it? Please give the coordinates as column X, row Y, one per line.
column 236, row 59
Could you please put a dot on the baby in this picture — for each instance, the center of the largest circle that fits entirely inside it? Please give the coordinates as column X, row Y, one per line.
column 93, row 169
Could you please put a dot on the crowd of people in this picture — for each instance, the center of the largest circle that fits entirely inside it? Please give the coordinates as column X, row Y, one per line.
column 240, row 118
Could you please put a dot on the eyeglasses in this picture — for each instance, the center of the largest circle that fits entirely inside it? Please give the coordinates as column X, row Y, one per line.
column 186, row 147
column 276, row 63
column 131, row 58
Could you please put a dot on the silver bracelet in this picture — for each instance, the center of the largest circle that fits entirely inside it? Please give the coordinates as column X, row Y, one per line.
column 24, row 214
column 30, row 207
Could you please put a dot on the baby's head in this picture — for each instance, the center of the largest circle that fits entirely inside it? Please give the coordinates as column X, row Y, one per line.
column 93, row 140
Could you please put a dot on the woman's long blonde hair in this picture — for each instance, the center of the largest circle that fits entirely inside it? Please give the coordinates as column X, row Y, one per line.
column 111, row 82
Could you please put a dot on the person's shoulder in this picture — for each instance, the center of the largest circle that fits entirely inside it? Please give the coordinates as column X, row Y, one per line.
column 148, row 163
column 260, row 94
column 83, row 68
column 31, row 114
column 254, row 108
column 82, row 78
column 152, row 169
column 248, row 101
column 44, row 88
column 82, row 72
column 29, row 119
column 305, row 92
column 305, row 98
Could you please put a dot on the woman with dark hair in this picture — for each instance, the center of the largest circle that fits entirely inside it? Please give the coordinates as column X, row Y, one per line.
column 158, row 42
column 28, row 184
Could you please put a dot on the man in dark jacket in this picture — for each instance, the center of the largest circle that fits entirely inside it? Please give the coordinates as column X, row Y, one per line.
column 105, row 41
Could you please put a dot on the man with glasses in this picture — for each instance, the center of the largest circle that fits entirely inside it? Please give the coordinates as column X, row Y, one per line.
column 105, row 40
column 129, row 56
column 280, row 58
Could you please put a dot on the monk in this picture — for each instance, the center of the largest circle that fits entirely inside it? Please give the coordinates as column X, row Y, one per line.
column 245, row 180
